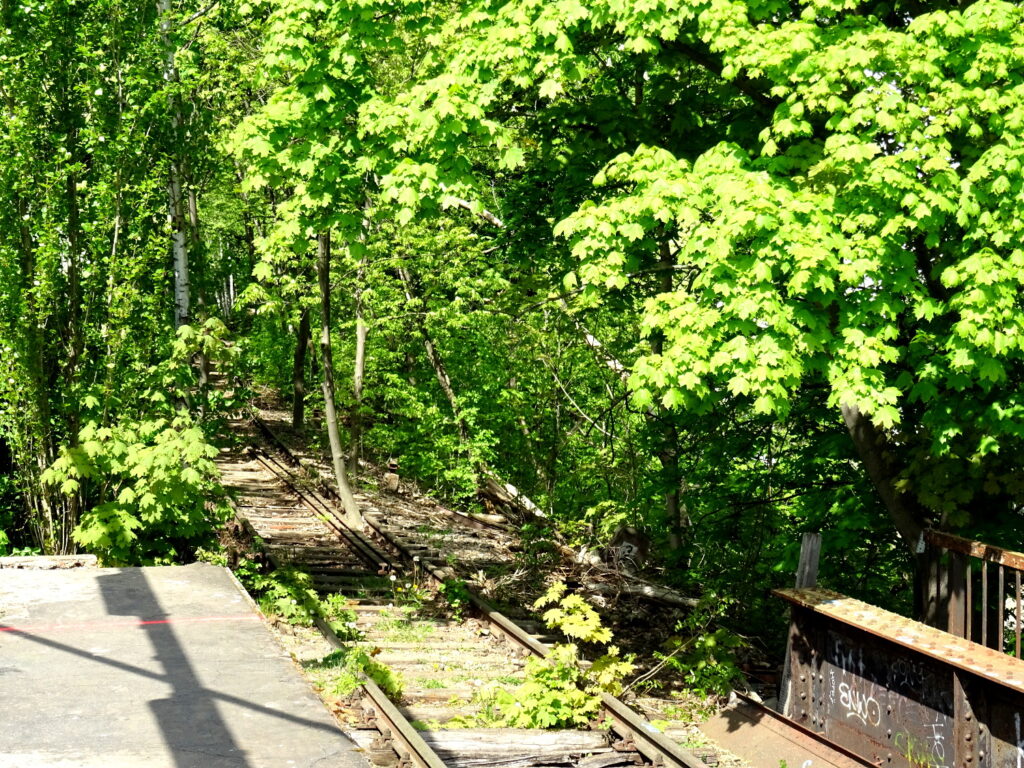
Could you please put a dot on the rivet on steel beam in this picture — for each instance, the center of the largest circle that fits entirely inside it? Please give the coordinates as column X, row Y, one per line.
column 803, row 678
column 967, row 737
column 888, row 733
column 967, row 715
column 803, row 695
column 821, row 678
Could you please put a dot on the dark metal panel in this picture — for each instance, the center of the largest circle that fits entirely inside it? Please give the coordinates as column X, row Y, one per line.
column 878, row 698
column 1001, row 744
column 901, row 694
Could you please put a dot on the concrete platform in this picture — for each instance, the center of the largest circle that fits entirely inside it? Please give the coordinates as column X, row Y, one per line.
column 151, row 668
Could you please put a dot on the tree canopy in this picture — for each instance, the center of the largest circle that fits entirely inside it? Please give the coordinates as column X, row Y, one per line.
column 722, row 270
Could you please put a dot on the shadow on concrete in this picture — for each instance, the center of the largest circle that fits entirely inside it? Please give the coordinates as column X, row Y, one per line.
column 188, row 718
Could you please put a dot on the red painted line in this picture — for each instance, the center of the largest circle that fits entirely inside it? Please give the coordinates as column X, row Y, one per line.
column 37, row 628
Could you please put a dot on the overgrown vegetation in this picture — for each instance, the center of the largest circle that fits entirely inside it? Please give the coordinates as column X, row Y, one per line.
column 702, row 652
column 341, row 672
column 722, row 271
column 288, row 594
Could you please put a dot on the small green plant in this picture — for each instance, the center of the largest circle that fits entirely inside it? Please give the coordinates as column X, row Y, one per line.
column 26, row 552
column 409, row 594
column 340, row 618
column 346, row 668
column 285, row 593
column 399, row 625
column 212, row 556
column 456, row 595
column 556, row 691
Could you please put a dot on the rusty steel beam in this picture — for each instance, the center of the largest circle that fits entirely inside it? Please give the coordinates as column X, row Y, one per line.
column 980, row 550
column 899, row 693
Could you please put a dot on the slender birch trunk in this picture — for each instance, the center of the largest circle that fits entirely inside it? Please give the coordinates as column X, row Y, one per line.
column 358, row 374
column 323, row 269
column 175, row 201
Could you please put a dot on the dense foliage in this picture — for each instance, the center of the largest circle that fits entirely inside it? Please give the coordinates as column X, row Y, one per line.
column 720, row 270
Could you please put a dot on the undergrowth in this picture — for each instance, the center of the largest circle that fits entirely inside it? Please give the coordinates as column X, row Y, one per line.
column 558, row 691
column 288, row 594
column 344, row 670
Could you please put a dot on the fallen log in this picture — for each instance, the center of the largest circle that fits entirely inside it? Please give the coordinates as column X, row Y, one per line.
column 506, row 497
column 641, row 590
column 49, row 563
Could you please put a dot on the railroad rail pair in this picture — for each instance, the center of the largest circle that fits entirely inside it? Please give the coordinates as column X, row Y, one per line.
column 633, row 732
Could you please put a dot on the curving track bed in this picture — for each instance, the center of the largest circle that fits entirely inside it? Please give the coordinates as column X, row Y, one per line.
column 441, row 663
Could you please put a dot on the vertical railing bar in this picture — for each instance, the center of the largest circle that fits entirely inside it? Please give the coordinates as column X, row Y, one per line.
column 1016, row 623
column 984, row 602
column 955, row 577
column 1000, row 640
column 968, row 599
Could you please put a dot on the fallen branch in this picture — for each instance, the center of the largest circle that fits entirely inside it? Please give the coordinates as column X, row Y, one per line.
column 642, row 590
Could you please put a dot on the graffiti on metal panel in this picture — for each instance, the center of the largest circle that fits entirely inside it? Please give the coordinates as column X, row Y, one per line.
column 856, row 693
column 890, row 699
column 917, row 754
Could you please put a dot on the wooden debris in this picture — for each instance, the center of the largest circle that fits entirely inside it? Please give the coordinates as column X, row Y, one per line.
column 49, row 563
column 515, row 748
column 608, row 760
column 643, row 590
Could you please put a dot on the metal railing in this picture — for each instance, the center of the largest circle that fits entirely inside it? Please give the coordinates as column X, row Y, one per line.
column 980, row 587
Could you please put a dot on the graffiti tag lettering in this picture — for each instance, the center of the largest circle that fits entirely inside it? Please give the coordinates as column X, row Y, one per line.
column 860, row 706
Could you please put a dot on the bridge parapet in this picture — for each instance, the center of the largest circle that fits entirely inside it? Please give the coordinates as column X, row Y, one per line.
column 900, row 693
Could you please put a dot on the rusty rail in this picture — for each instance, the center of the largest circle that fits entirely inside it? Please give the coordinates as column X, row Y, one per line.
column 396, row 733
column 634, row 730
column 973, row 580
column 900, row 693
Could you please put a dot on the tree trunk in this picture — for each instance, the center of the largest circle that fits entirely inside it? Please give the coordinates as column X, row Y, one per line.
column 435, row 359
column 299, row 372
column 175, row 202
column 669, row 453
column 202, row 361
column 869, row 444
column 358, row 374
column 907, row 515
column 323, row 268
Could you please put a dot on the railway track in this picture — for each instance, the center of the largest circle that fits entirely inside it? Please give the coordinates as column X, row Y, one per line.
column 301, row 527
